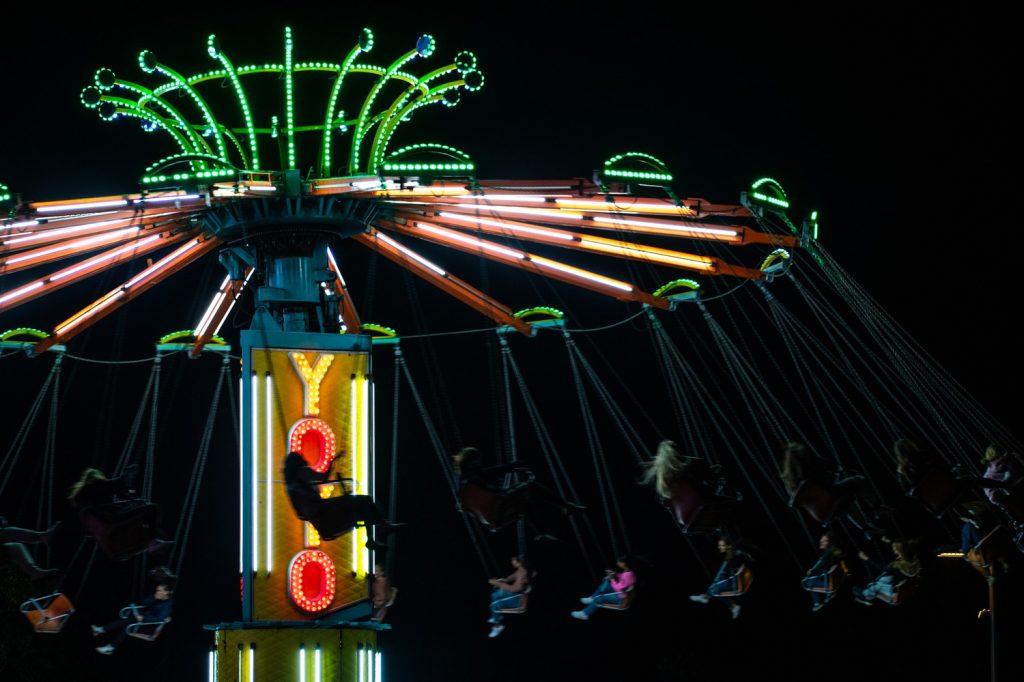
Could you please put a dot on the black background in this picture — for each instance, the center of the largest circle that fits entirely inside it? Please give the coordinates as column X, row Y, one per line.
column 897, row 124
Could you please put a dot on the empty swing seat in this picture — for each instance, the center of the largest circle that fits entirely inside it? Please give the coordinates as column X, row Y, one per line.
column 519, row 606
column 145, row 630
column 627, row 601
column 48, row 614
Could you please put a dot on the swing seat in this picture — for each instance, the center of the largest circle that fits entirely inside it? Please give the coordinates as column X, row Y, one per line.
column 937, row 491
column 833, row 578
column 122, row 530
column 497, row 510
column 901, row 592
column 744, row 578
column 521, row 606
column 627, row 601
column 817, row 500
column 48, row 614
column 989, row 549
column 147, row 631
column 378, row 616
column 698, row 512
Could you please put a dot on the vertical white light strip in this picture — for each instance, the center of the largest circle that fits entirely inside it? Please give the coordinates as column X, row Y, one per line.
column 369, row 665
column 252, row 663
column 269, row 447
column 302, row 663
column 353, row 439
column 255, row 461
column 361, row 672
column 239, row 663
column 378, row 668
column 241, row 476
column 364, row 464
column 318, row 669
column 211, row 666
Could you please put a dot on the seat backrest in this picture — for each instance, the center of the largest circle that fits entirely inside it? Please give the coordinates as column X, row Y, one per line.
column 686, row 502
column 479, row 501
column 48, row 614
column 815, row 499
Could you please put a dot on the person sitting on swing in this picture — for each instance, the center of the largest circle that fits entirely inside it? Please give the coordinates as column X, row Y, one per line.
column 155, row 608
column 819, row 575
column 686, row 484
column 800, row 467
column 103, row 501
column 334, row 516
column 617, row 582
column 14, row 541
column 888, row 577
column 483, row 492
column 1003, row 472
column 726, row 582
column 507, row 593
column 381, row 591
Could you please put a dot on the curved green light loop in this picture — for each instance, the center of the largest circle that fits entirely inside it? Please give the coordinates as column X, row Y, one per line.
column 127, row 107
column 364, row 112
column 186, row 157
column 146, row 94
column 332, row 102
column 666, row 289
column 190, row 335
column 541, row 310
column 200, row 102
column 436, row 95
column 238, row 145
column 243, row 103
column 379, row 329
column 35, row 334
column 376, row 152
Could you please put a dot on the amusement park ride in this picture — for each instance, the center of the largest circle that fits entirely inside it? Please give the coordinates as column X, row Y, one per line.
column 271, row 196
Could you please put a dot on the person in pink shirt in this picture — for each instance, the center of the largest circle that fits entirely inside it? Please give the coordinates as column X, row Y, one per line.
column 612, row 589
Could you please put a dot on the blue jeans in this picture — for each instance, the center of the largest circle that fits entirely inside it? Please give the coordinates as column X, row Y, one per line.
column 725, row 581
column 812, row 582
column 503, row 599
column 969, row 537
column 604, row 594
column 885, row 585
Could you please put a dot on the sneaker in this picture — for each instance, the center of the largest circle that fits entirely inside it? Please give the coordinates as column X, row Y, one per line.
column 700, row 598
column 586, row 600
column 96, row 630
column 735, row 611
column 818, row 606
column 580, row 615
column 496, row 630
column 106, row 649
column 492, row 620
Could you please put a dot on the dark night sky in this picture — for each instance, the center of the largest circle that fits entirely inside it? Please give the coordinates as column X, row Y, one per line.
column 898, row 125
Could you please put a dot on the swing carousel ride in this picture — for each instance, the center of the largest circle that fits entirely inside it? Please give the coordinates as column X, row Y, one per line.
column 276, row 194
